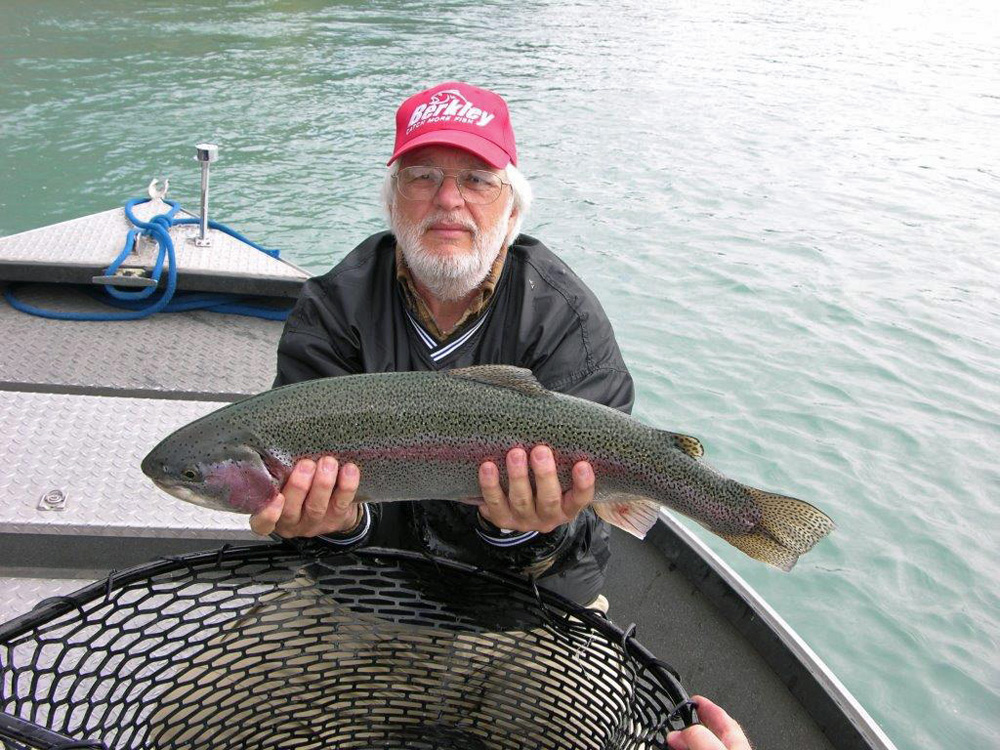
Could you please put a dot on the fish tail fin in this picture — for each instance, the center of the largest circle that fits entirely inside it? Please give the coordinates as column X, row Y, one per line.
column 632, row 513
column 788, row 527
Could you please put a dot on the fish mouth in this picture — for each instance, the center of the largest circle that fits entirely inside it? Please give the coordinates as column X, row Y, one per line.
column 191, row 495
column 148, row 466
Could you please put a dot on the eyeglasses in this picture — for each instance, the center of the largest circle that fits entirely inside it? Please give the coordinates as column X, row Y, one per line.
column 475, row 185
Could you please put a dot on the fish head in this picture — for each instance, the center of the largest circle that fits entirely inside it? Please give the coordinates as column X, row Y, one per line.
column 210, row 468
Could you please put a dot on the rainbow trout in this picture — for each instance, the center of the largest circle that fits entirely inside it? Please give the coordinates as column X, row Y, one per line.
column 423, row 435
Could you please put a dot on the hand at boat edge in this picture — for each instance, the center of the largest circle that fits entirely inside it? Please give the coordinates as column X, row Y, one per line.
column 318, row 498
column 718, row 730
column 543, row 508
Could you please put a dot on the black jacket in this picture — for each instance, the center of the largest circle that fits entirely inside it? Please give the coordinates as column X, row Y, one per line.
column 541, row 316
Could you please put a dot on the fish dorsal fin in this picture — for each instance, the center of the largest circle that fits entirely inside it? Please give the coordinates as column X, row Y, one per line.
column 502, row 376
column 685, row 443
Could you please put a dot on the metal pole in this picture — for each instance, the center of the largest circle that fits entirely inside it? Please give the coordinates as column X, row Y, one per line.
column 206, row 154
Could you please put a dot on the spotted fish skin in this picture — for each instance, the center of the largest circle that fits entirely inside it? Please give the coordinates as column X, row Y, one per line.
column 423, row 435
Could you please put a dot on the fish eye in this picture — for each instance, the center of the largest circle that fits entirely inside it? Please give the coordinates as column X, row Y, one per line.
column 190, row 474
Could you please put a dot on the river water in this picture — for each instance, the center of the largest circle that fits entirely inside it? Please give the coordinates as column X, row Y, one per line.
column 789, row 211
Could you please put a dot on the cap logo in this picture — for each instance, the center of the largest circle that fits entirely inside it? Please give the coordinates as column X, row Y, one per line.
column 448, row 105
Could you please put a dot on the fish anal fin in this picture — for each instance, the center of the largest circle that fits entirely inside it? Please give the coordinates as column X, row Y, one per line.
column 518, row 379
column 632, row 513
column 690, row 445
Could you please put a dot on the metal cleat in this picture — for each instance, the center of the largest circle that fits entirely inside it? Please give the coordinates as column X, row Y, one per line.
column 156, row 192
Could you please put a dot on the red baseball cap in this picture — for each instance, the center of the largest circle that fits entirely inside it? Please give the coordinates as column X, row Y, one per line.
column 457, row 114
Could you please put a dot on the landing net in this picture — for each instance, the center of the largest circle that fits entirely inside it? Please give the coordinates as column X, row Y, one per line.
column 267, row 646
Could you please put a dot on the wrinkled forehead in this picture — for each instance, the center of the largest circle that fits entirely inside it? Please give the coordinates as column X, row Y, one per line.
column 446, row 157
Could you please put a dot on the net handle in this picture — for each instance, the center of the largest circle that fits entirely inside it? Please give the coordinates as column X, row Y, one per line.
column 14, row 729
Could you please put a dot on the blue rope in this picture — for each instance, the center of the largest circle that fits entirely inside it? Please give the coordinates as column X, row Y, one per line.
column 134, row 303
column 211, row 301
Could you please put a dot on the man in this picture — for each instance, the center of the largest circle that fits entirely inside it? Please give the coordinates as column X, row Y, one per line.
column 453, row 285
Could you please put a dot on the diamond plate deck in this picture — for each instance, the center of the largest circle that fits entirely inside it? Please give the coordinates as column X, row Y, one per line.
column 75, row 250
column 194, row 352
column 90, row 448
column 21, row 594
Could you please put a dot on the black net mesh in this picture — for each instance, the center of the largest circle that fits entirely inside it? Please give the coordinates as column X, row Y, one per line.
column 271, row 647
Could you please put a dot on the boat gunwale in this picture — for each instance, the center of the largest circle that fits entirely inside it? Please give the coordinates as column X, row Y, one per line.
column 840, row 716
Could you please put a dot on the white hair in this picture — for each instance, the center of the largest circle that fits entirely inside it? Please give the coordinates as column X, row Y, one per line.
column 521, row 197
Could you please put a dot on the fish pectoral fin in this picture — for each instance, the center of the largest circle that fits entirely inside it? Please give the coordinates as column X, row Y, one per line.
column 690, row 445
column 632, row 513
column 519, row 379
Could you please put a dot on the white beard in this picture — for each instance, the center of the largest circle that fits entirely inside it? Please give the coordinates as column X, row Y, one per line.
column 449, row 277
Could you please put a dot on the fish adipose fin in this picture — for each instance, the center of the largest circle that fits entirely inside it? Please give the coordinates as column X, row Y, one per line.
column 690, row 445
column 519, row 379
column 632, row 513
column 788, row 528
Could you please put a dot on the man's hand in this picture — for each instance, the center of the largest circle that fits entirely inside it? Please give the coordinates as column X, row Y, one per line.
column 718, row 731
column 318, row 498
column 544, row 509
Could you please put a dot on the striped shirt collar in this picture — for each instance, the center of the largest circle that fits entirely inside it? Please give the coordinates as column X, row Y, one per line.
column 420, row 314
